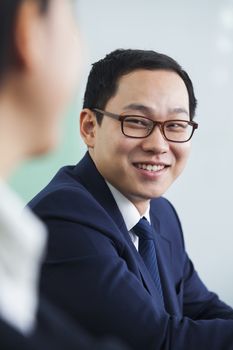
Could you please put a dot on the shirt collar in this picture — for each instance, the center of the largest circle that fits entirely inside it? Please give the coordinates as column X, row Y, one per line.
column 128, row 210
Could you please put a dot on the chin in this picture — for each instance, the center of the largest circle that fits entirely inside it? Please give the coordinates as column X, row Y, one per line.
column 153, row 193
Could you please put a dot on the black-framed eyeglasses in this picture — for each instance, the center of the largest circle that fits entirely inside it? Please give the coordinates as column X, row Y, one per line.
column 135, row 126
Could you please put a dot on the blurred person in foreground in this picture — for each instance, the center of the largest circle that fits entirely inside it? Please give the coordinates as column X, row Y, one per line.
column 39, row 66
column 115, row 242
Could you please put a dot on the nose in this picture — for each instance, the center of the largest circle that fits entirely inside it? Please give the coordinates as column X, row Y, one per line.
column 155, row 142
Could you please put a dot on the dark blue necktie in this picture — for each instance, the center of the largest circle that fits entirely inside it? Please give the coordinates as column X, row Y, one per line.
column 147, row 250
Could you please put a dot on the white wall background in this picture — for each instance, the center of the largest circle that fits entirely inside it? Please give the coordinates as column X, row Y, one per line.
column 199, row 35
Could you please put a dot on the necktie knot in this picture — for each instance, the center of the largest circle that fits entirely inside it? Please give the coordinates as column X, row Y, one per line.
column 143, row 229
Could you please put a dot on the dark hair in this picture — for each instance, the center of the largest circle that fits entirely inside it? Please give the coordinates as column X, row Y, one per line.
column 103, row 79
column 8, row 13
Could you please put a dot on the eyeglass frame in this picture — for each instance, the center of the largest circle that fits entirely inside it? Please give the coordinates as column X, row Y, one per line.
column 121, row 118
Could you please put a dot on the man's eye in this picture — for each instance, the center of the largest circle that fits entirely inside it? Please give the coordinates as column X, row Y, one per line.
column 176, row 125
column 136, row 122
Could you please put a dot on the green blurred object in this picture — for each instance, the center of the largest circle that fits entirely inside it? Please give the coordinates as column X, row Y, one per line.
column 31, row 177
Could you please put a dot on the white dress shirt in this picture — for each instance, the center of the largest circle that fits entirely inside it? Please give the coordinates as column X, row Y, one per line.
column 22, row 242
column 129, row 212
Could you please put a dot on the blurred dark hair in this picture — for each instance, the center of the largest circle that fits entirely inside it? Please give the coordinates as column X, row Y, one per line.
column 8, row 14
column 103, row 79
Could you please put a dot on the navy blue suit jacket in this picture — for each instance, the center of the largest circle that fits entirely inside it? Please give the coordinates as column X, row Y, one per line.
column 94, row 272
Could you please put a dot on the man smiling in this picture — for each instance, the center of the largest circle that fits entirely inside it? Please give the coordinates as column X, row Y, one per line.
column 115, row 243
column 141, row 165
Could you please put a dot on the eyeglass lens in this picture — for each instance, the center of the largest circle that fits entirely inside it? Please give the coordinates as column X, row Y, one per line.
column 174, row 130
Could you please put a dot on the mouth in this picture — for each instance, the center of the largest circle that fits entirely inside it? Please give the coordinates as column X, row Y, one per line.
column 153, row 168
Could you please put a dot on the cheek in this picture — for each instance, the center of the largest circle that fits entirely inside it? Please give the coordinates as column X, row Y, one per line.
column 112, row 146
column 69, row 61
column 63, row 61
column 65, row 74
column 126, row 147
column 181, row 153
column 112, row 154
column 109, row 138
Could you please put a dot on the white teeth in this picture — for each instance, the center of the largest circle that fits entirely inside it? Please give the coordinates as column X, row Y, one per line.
column 150, row 167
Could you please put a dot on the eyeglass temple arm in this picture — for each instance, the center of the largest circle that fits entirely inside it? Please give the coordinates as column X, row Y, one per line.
column 109, row 114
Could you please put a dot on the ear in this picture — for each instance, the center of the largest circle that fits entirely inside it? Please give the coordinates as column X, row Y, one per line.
column 88, row 127
column 29, row 35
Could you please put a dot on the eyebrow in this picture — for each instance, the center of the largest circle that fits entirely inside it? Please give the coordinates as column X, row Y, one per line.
column 179, row 110
column 148, row 110
column 140, row 108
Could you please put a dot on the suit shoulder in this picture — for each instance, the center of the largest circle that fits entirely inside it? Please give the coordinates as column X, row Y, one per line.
column 167, row 218
column 163, row 206
column 64, row 183
column 65, row 198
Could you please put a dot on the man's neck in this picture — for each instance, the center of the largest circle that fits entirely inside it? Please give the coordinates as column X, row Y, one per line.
column 141, row 209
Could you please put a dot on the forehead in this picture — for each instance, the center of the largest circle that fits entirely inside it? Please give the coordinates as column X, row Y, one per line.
column 157, row 80
column 158, row 89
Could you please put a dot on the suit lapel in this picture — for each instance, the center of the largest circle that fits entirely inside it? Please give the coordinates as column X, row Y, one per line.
column 92, row 180
column 164, row 257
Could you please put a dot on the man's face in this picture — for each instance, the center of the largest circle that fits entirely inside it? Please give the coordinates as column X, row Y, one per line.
column 160, row 95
